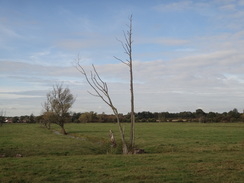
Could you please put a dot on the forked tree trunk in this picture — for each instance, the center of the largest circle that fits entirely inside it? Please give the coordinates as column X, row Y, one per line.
column 101, row 90
column 124, row 145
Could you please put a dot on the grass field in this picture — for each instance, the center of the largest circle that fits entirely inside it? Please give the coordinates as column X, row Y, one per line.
column 175, row 152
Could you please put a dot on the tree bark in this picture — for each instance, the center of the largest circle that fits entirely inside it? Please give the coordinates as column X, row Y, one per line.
column 132, row 133
column 122, row 133
column 63, row 130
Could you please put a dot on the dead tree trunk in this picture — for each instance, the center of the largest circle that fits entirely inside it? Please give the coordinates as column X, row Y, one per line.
column 122, row 133
column 127, row 46
column 63, row 130
column 132, row 133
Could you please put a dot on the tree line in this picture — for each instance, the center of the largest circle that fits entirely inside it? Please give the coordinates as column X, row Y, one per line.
column 145, row 116
column 198, row 116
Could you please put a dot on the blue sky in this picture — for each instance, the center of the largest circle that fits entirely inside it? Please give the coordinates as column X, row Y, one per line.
column 187, row 54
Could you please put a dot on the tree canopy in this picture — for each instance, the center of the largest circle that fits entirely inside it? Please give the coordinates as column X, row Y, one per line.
column 57, row 106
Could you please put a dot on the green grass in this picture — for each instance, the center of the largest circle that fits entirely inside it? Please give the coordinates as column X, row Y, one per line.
column 175, row 152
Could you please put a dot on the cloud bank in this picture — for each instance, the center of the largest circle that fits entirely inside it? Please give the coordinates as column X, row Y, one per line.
column 187, row 55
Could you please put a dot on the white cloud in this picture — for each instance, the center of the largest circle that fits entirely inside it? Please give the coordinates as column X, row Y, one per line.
column 226, row 13
column 174, row 6
column 170, row 42
column 84, row 41
column 39, row 54
column 201, row 7
column 8, row 32
column 241, row 2
column 229, row 7
column 224, row 1
column 186, row 82
column 163, row 41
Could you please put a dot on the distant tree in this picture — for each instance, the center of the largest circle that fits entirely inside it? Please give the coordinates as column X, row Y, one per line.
column 235, row 111
column 15, row 119
column 75, row 117
column 201, row 115
column 27, row 119
column 32, row 119
column 88, row 117
column 102, row 118
column 57, row 105
column 39, row 119
column 212, row 117
column 2, row 116
column 233, row 115
column 22, row 119
column 145, row 115
column 112, row 118
column 242, row 117
column 186, row 115
column 200, row 112
column 85, row 117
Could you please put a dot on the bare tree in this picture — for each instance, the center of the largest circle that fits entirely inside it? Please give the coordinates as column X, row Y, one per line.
column 101, row 90
column 58, row 103
column 127, row 46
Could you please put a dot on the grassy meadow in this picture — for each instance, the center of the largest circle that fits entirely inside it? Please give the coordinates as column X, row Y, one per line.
column 175, row 152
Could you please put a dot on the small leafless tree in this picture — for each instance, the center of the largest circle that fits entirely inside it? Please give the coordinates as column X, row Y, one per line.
column 58, row 103
column 127, row 46
column 101, row 90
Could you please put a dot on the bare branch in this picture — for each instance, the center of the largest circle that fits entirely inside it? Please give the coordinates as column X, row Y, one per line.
column 97, row 76
column 93, row 94
column 127, row 44
column 97, row 84
column 124, row 62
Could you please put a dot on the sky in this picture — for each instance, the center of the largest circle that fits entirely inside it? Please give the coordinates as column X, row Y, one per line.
column 187, row 54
